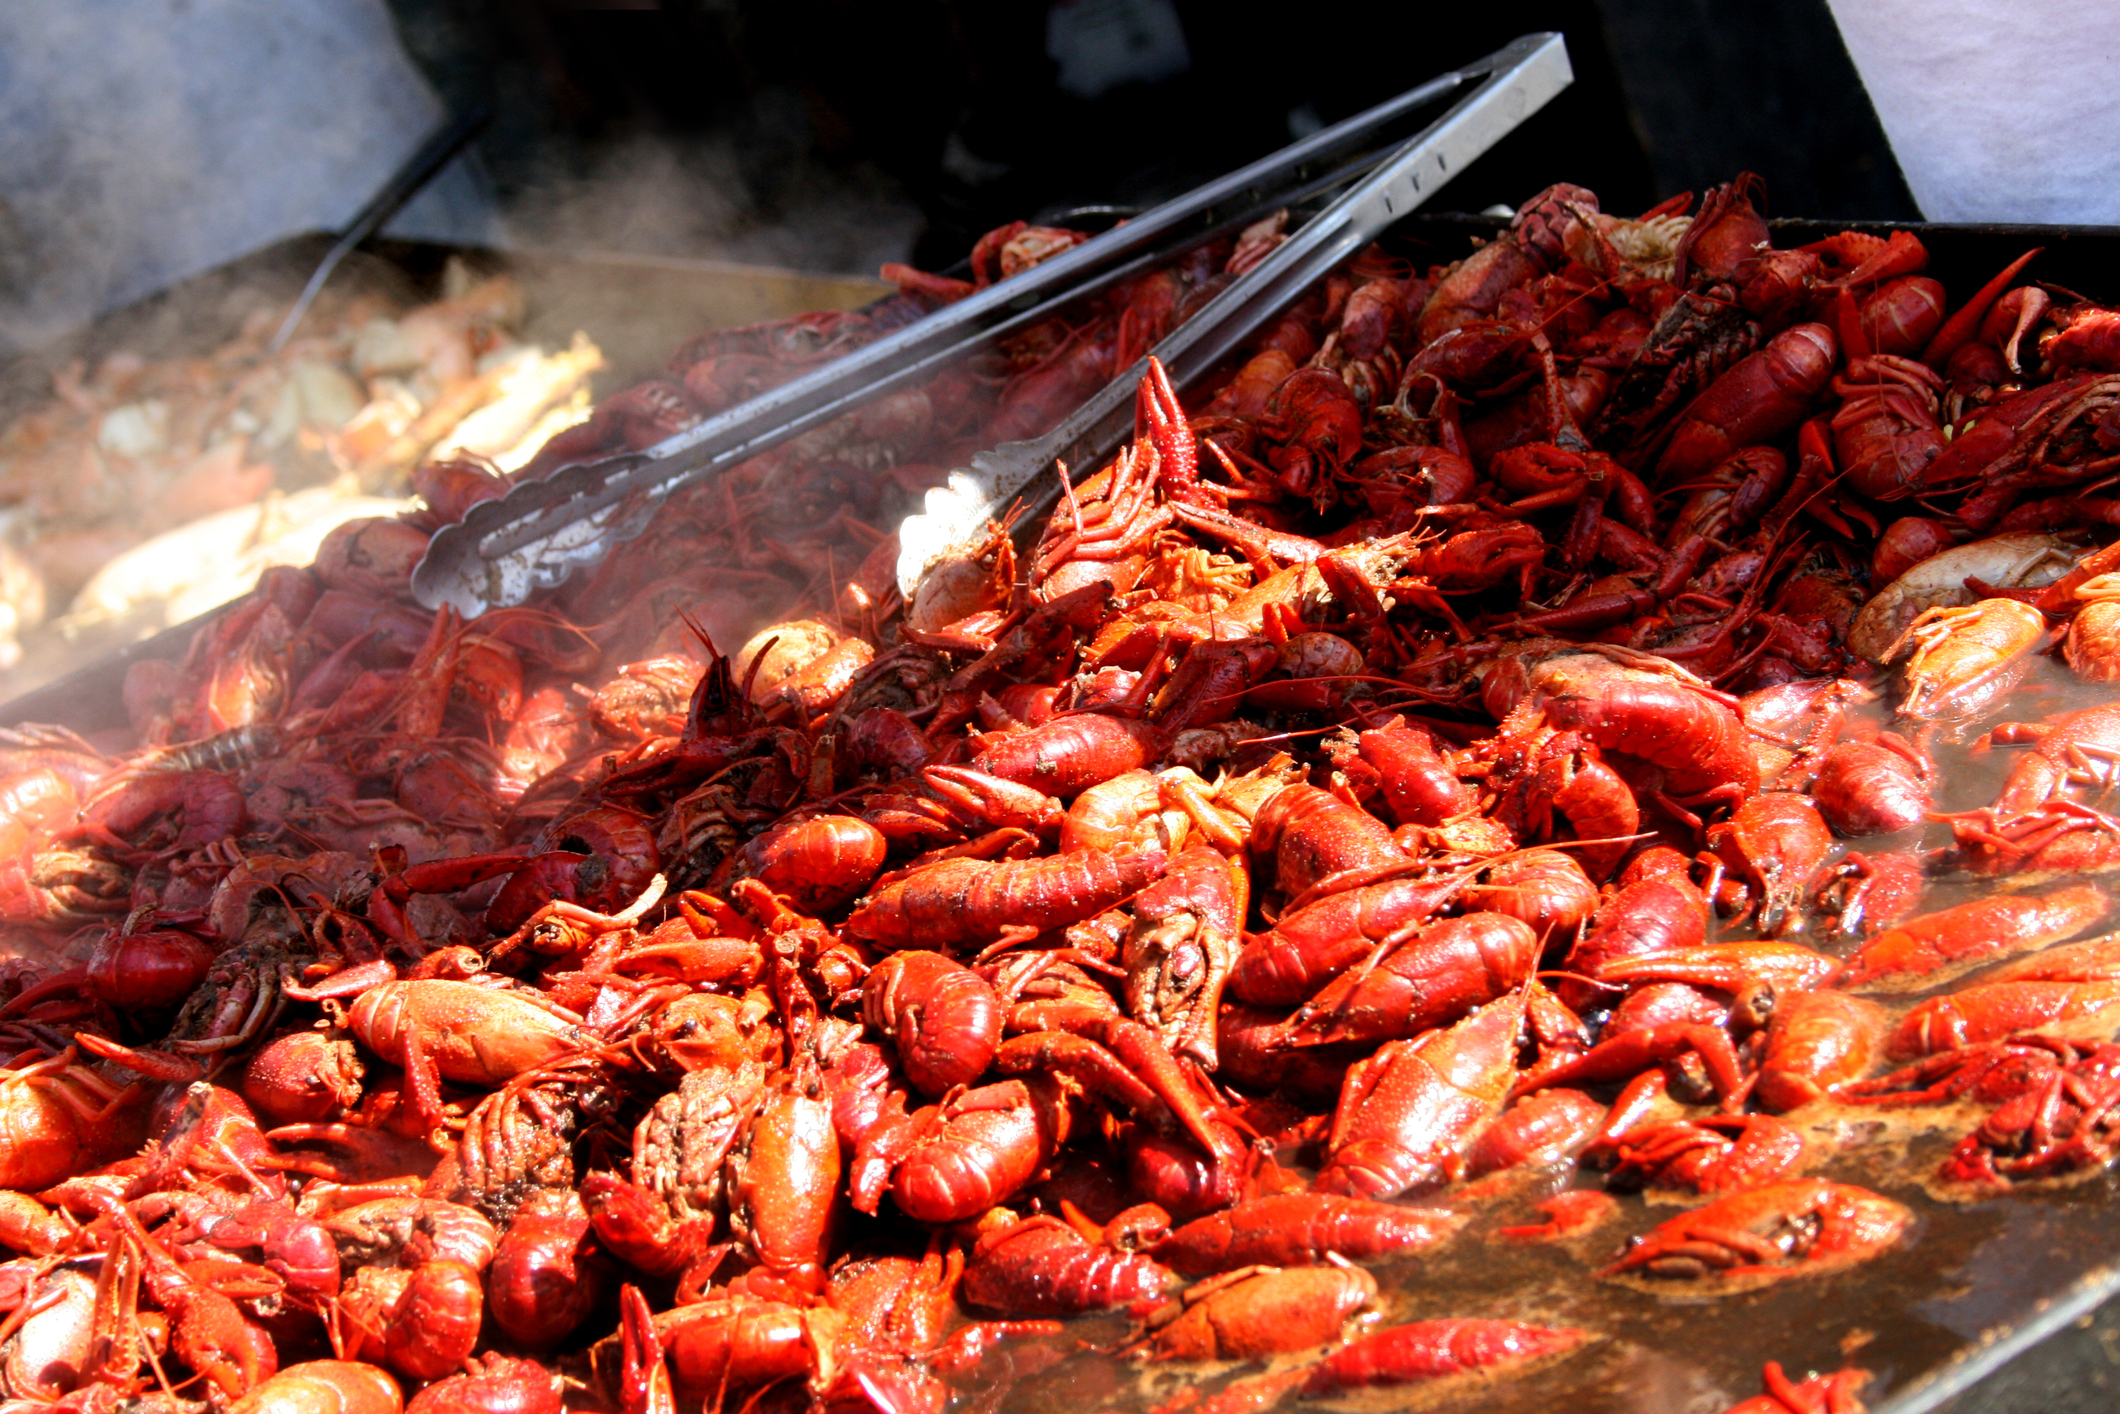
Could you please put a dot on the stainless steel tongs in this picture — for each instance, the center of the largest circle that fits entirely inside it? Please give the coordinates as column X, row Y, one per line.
column 1525, row 76
column 541, row 531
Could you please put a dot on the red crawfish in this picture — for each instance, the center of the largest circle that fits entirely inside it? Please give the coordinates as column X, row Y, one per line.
column 1287, row 1229
column 1755, row 972
column 663, row 1225
column 1887, row 428
column 2000, row 436
column 1309, row 946
column 1180, row 949
column 818, row 862
column 1411, row 1354
column 141, row 814
column 1865, row 893
column 1726, row 235
column 1426, row 1350
column 736, row 1342
column 1994, row 1011
column 1791, row 1228
column 1935, row 947
column 1772, row 847
column 1447, row 969
column 1317, row 424
column 1320, row 844
column 1073, row 752
column 1259, row 1311
column 1731, row 497
column 1965, row 659
column 819, row 683
column 1650, row 914
column 2053, row 1100
column 1717, row 1154
column 1659, row 715
column 1905, row 543
column 298, row 1250
column 1121, row 810
column 1567, row 1214
column 422, row 1323
column 148, row 970
column 1419, row 787
column 1818, row 1043
column 2053, row 770
column 27, row 1226
column 960, row 903
column 1759, row 399
column 1248, row 1042
column 1794, row 720
column 1820, row 1394
column 2092, row 648
column 460, row 1031
column 1571, row 778
column 1041, row 1266
column 2060, row 838
column 2055, row 1118
column 1211, row 681
column 1543, row 888
column 1407, row 1114
column 1548, row 1127
column 953, row 1160
column 1900, row 316
column 1546, row 232
column 1658, row 1029
column 546, row 1275
column 1874, row 787
column 488, row 1381
column 1246, row 394
column 784, row 1179
column 1124, row 1061
column 2084, row 335
column 943, row 1018
column 330, row 1387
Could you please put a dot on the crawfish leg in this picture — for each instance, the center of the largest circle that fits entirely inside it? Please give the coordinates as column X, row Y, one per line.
column 1085, row 1060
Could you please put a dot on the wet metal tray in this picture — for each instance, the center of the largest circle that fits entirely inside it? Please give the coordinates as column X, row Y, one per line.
column 1997, row 1306
column 1988, row 1306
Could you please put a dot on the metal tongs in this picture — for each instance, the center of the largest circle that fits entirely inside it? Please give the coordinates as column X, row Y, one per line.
column 541, row 531
column 1524, row 77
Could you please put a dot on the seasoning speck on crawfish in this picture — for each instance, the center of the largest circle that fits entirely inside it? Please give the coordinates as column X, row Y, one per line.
column 1178, row 894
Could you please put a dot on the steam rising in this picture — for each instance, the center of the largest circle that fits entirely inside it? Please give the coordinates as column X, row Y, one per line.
column 703, row 197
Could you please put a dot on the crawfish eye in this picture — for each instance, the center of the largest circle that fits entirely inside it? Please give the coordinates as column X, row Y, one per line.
column 1757, row 1005
column 1798, row 1234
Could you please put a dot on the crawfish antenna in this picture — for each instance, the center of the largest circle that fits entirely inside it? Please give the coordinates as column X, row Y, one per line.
column 706, row 639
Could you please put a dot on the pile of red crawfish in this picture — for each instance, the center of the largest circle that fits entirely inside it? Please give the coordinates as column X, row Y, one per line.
column 1481, row 746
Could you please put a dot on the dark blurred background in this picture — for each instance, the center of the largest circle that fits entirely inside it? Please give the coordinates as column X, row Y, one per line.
column 833, row 133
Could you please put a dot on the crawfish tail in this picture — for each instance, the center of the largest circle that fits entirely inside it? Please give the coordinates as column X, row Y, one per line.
column 960, row 903
column 1072, row 753
column 1293, row 1229
column 1426, row 1350
column 1043, row 1268
column 232, row 750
